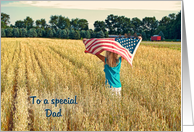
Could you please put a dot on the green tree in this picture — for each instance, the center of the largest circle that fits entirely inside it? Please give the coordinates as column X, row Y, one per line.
column 172, row 16
column 60, row 22
column 43, row 23
column 49, row 33
column 110, row 23
column 136, row 23
column 92, row 33
column 9, row 32
column 74, row 24
column 106, row 34
column 28, row 22
column 64, row 34
column 174, row 27
column 164, row 21
column 100, row 34
column 161, row 34
column 23, row 32
column 63, row 23
column 163, row 24
column 32, row 33
column 72, row 34
column 15, row 32
column 3, row 25
column 161, row 28
column 88, row 34
column 76, row 35
column 99, row 25
column 5, row 18
column 3, row 34
column 68, row 32
column 20, row 24
column 170, row 26
column 40, row 32
column 144, row 37
column 83, row 34
column 127, row 27
column 38, row 23
column 58, row 34
column 149, row 25
column 82, row 24
column 54, row 21
column 118, row 24
column 54, row 32
column 177, row 26
column 12, row 26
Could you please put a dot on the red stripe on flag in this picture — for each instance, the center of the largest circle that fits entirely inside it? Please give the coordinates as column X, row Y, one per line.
column 86, row 42
column 124, row 51
column 88, row 46
column 112, row 43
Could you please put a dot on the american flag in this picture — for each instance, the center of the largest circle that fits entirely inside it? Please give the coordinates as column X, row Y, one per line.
column 125, row 47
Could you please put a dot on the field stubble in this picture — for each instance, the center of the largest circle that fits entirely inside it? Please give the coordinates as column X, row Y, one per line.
column 49, row 69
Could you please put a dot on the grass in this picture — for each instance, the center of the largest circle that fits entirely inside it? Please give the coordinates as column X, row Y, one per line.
column 59, row 68
column 170, row 45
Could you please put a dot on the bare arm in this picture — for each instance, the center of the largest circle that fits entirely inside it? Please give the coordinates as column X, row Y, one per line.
column 102, row 58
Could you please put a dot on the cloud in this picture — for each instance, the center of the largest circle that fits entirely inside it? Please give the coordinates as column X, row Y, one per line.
column 100, row 5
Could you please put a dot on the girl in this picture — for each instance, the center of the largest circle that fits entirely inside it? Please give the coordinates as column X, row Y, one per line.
column 112, row 65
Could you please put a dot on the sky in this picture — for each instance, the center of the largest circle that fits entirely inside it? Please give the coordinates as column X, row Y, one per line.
column 89, row 10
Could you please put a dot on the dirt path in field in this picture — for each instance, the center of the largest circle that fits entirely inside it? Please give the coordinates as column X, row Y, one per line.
column 14, row 94
column 30, row 110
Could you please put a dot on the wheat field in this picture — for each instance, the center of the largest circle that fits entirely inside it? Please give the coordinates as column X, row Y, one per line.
column 59, row 69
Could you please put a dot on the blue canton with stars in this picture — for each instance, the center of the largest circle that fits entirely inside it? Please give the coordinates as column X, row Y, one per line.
column 128, row 43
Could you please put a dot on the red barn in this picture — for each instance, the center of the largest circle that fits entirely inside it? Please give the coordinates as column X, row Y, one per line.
column 156, row 38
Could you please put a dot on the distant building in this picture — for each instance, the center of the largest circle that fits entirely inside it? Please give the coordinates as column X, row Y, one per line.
column 156, row 38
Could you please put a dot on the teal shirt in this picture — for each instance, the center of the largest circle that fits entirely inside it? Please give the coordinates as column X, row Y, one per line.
column 112, row 74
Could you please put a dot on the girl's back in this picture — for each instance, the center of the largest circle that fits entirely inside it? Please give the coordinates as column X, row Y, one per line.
column 112, row 74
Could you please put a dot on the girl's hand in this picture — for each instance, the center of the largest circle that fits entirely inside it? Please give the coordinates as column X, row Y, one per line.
column 139, row 37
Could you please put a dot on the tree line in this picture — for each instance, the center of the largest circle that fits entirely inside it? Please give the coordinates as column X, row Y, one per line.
column 169, row 27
